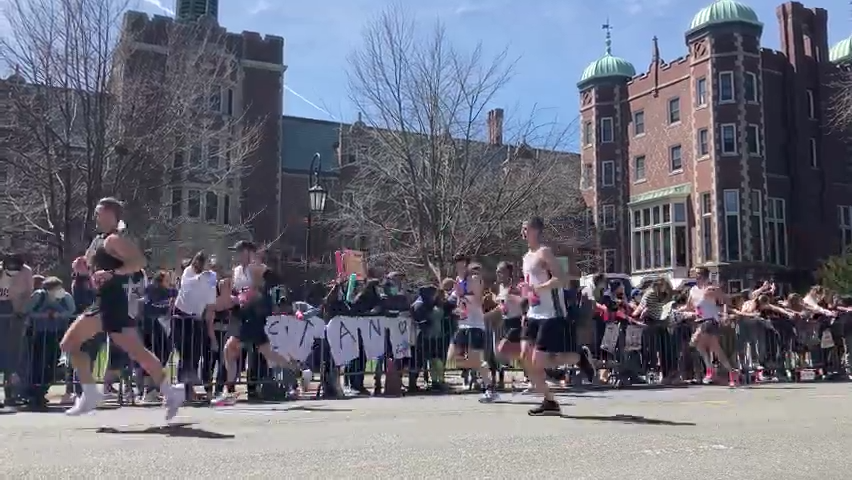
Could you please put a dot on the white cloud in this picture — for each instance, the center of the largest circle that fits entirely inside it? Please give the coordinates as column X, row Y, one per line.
column 159, row 4
column 259, row 7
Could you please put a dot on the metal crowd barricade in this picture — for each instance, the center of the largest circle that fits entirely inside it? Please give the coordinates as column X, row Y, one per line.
column 348, row 355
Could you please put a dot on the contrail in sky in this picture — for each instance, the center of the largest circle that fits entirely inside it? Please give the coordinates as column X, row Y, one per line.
column 312, row 104
column 159, row 4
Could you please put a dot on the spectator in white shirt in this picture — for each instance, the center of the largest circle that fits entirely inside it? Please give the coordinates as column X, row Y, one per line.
column 194, row 335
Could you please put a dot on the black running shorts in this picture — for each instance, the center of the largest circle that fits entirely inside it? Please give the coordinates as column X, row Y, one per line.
column 253, row 332
column 709, row 326
column 512, row 330
column 470, row 339
column 551, row 335
column 113, row 306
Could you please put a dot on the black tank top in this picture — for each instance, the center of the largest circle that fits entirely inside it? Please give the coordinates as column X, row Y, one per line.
column 103, row 260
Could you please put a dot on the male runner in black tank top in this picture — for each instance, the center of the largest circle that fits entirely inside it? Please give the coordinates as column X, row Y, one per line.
column 114, row 259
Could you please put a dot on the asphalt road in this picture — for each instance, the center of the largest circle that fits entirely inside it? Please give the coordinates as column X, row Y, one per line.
column 801, row 431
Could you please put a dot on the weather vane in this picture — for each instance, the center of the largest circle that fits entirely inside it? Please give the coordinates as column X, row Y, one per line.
column 607, row 27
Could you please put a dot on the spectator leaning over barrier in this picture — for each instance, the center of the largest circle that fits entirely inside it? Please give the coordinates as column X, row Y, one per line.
column 49, row 313
column 16, row 287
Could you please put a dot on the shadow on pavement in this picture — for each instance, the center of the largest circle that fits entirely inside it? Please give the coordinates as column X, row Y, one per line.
column 183, row 430
column 508, row 401
column 284, row 408
column 629, row 419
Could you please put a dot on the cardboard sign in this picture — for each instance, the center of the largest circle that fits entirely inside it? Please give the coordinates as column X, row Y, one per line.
column 349, row 262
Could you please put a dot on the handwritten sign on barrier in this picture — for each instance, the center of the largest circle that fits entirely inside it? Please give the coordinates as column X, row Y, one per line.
column 294, row 337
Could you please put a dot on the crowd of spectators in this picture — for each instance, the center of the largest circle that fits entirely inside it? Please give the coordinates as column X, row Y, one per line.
column 637, row 336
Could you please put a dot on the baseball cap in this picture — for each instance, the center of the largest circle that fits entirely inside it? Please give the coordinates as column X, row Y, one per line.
column 243, row 245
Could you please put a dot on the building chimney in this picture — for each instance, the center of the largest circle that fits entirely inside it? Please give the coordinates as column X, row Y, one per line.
column 495, row 126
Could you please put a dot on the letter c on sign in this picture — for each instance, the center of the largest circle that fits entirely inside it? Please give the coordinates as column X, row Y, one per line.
column 272, row 329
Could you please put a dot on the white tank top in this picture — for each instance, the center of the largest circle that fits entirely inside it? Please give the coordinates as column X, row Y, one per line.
column 704, row 305
column 472, row 315
column 535, row 274
column 511, row 305
column 242, row 279
column 5, row 286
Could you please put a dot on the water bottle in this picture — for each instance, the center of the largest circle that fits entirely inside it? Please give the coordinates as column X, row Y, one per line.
column 350, row 287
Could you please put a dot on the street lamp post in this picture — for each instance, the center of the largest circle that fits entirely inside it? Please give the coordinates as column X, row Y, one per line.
column 316, row 203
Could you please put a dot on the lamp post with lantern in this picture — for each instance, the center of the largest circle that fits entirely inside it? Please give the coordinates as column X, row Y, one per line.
column 317, row 197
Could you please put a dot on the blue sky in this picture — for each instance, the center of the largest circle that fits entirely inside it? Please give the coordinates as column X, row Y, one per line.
column 553, row 39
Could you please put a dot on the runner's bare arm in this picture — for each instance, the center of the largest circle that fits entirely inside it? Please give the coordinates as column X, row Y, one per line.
column 126, row 251
column 555, row 269
column 476, row 288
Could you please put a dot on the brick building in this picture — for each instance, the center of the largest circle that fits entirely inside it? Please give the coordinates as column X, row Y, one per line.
column 721, row 157
column 214, row 214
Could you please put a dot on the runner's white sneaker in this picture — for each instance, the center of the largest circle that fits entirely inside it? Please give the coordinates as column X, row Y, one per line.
column 225, row 400
column 85, row 403
column 174, row 396
column 151, row 397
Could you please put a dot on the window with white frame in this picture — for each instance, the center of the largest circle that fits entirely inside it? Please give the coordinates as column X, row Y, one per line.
column 707, row 227
column 659, row 237
column 177, row 160
column 193, row 204
column 609, row 260
column 195, row 153
column 811, row 104
column 606, row 130
column 587, row 133
column 211, row 207
column 226, row 209
column 229, row 102
column 675, row 158
column 844, row 221
column 607, row 173
column 757, row 222
column 674, row 110
column 608, row 217
column 729, row 138
column 638, row 123
column 733, row 240
column 753, row 139
column 735, row 286
column 586, row 178
column 776, row 230
column 639, row 168
column 216, row 99
column 701, row 92
column 213, row 153
column 814, row 154
column 750, row 87
column 726, row 87
column 703, row 142
column 177, row 203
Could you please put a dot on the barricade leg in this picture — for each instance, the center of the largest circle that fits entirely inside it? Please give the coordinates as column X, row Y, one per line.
column 44, row 355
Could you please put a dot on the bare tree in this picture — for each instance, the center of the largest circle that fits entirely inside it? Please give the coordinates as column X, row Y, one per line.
column 839, row 106
column 422, row 180
column 103, row 104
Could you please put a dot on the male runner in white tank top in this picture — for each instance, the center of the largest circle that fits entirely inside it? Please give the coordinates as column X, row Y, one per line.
column 467, row 348
column 547, row 337
column 705, row 300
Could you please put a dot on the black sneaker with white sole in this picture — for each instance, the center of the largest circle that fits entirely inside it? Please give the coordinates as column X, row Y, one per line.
column 547, row 408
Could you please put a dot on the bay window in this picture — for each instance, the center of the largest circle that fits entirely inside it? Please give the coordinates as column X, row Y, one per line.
column 733, row 242
column 659, row 236
column 776, row 233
